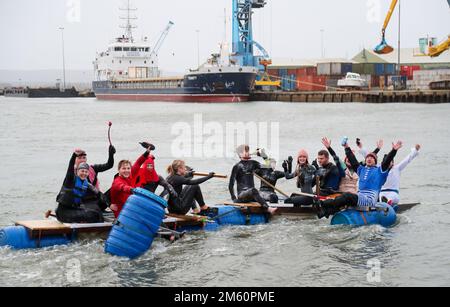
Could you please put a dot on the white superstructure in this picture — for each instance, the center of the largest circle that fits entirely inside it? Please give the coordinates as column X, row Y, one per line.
column 127, row 58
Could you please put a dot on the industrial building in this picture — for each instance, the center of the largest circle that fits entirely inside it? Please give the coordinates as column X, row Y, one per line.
column 379, row 71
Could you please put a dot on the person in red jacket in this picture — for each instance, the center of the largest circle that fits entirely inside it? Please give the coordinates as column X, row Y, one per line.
column 124, row 182
column 149, row 179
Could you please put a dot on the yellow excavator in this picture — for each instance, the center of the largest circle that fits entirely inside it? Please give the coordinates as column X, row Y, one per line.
column 437, row 50
column 384, row 48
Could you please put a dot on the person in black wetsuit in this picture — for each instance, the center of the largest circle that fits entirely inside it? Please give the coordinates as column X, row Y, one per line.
column 271, row 175
column 306, row 178
column 243, row 175
column 187, row 189
column 78, row 198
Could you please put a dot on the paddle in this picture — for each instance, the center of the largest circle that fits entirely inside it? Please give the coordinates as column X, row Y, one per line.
column 109, row 133
column 215, row 175
column 272, row 186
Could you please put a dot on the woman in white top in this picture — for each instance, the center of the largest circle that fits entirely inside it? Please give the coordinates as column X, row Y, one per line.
column 390, row 193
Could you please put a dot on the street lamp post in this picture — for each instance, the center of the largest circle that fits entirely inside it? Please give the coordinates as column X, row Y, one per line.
column 198, row 48
column 64, row 59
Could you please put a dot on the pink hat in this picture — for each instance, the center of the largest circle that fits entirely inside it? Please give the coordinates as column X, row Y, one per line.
column 303, row 152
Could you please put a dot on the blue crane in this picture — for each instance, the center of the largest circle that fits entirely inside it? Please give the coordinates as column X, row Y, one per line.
column 243, row 43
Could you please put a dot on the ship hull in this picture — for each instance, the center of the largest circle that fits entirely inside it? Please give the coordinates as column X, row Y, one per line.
column 194, row 88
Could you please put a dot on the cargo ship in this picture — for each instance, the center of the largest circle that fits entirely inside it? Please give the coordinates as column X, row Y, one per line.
column 128, row 70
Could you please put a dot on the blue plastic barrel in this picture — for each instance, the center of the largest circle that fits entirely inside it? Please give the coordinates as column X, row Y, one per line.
column 229, row 215
column 17, row 237
column 135, row 229
column 209, row 226
column 384, row 216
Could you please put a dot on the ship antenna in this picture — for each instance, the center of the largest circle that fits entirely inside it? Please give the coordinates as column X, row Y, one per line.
column 129, row 17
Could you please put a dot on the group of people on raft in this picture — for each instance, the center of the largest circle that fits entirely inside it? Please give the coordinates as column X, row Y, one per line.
column 344, row 183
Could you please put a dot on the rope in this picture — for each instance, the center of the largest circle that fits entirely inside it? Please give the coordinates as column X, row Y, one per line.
column 307, row 83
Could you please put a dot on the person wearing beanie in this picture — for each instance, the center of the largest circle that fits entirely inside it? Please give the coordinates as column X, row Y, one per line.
column 78, row 199
column 95, row 169
column 243, row 175
column 371, row 179
column 390, row 193
column 306, row 178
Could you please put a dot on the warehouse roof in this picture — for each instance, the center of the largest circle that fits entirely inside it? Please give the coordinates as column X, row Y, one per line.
column 407, row 55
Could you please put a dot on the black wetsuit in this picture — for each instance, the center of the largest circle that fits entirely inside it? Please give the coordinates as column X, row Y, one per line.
column 306, row 180
column 242, row 174
column 86, row 209
column 100, row 168
column 153, row 186
column 271, row 176
column 186, row 196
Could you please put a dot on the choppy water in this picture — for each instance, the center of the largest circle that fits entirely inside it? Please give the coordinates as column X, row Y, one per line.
column 37, row 137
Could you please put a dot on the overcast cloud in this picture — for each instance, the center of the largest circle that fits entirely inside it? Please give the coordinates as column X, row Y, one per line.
column 287, row 28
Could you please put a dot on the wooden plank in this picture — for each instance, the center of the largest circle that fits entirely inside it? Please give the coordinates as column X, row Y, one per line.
column 187, row 217
column 243, row 205
column 43, row 225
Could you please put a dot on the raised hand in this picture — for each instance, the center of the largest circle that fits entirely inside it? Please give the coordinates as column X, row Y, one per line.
column 380, row 144
column 418, row 147
column 397, row 146
column 326, row 142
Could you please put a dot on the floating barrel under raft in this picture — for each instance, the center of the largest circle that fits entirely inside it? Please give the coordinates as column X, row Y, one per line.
column 18, row 237
column 137, row 225
column 383, row 215
column 231, row 215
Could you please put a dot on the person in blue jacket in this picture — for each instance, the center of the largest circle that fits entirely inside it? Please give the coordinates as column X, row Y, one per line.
column 371, row 180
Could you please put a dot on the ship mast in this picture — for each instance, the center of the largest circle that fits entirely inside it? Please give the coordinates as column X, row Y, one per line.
column 128, row 17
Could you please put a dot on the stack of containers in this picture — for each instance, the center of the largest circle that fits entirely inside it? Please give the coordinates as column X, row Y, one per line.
column 408, row 71
column 308, row 80
column 333, row 72
column 423, row 78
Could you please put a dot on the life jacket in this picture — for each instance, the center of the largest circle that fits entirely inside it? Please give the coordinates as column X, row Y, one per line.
column 80, row 190
column 72, row 198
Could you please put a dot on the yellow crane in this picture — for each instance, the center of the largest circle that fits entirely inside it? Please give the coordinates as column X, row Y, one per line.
column 437, row 50
column 384, row 48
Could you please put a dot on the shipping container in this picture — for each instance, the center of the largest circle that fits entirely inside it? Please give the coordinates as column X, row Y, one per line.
column 379, row 69
column 364, row 69
column 311, row 83
column 273, row 72
column 324, row 69
column 390, row 69
column 307, row 71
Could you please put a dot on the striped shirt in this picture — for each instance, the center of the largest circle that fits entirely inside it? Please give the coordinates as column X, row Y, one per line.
column 371, row 180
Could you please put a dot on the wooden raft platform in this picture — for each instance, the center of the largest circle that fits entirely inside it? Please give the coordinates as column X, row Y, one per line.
column 39, row 229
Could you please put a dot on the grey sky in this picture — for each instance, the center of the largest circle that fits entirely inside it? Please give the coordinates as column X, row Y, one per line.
column 287, row 28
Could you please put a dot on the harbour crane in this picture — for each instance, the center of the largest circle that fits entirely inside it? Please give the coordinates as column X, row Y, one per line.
column 162, row 38
column 243, row 51
column 434, row 50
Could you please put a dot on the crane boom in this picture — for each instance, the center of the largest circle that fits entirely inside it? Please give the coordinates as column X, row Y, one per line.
column 389, row 15
column 383, row 47
column 162, row 38
column 437, row 50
